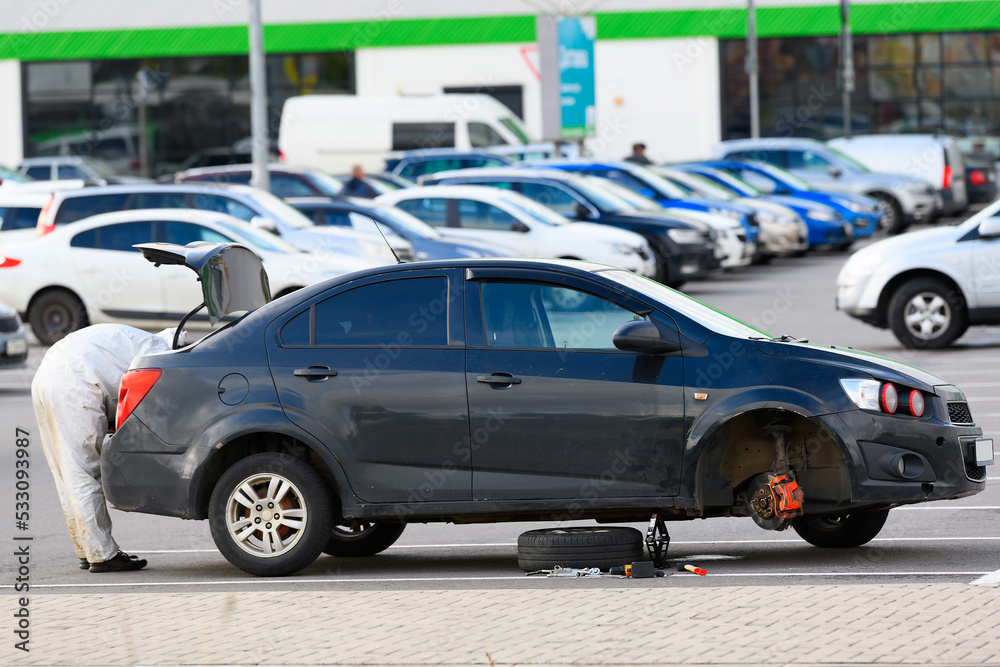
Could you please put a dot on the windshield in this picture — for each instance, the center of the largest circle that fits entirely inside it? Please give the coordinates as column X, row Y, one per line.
column 658, row 183
column 403, row 224
column 515, row 127
column 279, row 210
column 706, row 316
column 783, row 176
column 329, row 186
column 634, row 200
column 259, row 238
column 592, row 188
column 11, row 175
column 844, row 157
column 535, row 211
column 699, row 185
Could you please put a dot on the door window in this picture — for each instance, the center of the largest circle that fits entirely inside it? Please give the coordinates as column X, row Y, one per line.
column 407, row 312
column 40, row 173
column 224, row 205
column 538, row 315
column 161, row 200
column 474, row 214
column 115, row 237
column 68, row 171
column 18, row 218
column 183, row 233
column 432, row 210
column 336, row 218
column 78, row 208
column 549, row 195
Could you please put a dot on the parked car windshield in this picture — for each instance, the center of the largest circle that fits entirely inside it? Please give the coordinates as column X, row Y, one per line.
column 738, row 186
column 658, row 183
column 515, row 127
column 535, row 211
column 595, row 189
column 706, row 316
column 635, row 201
column 703, row 186
column 258, row 238
column 102, row 168
column 329, row 186
column 412, row 226
column 783, row 176
column 279, row 209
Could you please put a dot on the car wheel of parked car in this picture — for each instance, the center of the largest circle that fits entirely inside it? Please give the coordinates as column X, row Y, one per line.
column 839, row 532
column 604, row 547
column 270, row 514
column 355, row 539
column 892, row 221
column 56, row 314
column 925, row 313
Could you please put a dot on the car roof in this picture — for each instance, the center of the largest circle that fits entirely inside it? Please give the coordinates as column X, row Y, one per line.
column 200, row 188
column 55, row 159
column 765, row 143
column 580, row 162
column 526, row 173
column 196, row 216
column 272, row 167
column 483, row 192
column 13, row 198
column 429, row 153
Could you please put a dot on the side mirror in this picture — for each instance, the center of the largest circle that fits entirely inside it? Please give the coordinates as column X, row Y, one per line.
column 582, row 212
column 833, row 171
column 989, row 227
column 519, row 226
column 260, row 222
column 642, row 336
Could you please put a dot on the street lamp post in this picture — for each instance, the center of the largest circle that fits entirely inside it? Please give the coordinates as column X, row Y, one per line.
column 751, row 67
column 259, row 176
column 847, row 61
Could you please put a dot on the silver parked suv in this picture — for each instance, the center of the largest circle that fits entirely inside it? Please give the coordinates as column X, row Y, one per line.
column 904, row 199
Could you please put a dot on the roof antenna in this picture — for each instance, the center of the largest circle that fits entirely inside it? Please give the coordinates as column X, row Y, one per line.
column 391, row 249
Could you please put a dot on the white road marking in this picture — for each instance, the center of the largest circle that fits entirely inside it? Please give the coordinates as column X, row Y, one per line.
column 947, row 508
column 991, row 579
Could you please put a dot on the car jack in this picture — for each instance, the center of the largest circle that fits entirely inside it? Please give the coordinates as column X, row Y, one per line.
column 657, row 540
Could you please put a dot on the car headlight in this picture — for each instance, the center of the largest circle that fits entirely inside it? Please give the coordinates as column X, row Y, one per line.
column 862, row 264
column 864, row 393
column 822, row 216
column 853, row 206
column 727, row 212
column 686, row 236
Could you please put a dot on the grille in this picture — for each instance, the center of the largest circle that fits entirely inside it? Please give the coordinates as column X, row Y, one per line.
column 8, row 324
column 9, row 361
column 959, row 413
column 975, row 473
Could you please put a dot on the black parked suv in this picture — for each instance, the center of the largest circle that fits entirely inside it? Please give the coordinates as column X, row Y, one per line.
column 461, row 391
column 683, row 249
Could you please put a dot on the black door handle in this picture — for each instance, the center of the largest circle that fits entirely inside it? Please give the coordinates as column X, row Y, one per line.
column 498, row 378
column 315, row 373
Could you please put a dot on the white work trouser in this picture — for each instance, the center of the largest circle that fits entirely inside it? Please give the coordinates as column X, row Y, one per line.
column 72, row 432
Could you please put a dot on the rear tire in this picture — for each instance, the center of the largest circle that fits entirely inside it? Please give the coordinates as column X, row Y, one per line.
column 840, row 532
column 602, row 547
column 357, row 539
column 892, row 221
column 55, row 315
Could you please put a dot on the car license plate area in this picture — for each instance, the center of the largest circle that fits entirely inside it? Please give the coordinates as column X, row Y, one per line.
column 16, row 347
column 983, row 449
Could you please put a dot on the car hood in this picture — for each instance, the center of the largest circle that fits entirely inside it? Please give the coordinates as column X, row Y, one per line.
column 668, row 220
column 772, row 207
column 713, row 220
column 603, row 233
column 912, row 243
column 796, row 202
column 232, row 276
column 856, row 361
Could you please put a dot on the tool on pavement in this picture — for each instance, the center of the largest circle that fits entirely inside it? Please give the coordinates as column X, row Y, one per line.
column 657, row 540
column 638, row 570
column 691, row 568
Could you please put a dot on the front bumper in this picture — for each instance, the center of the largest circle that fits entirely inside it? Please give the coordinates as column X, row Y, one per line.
column 13, row 349
column 695, row 260
column 781, row 238
column 920, row 207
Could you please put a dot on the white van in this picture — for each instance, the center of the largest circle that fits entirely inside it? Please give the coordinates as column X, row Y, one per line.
column 932, row 157
column 334, row 132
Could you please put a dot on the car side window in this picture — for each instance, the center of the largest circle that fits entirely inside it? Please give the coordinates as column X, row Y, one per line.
column 296, row 330
column 482, row 135
column 224, row 205
column 87, row 239
column 807, row 160
column 40, row 173
column 759, row 181
column 68, row 171
column 123, row 236
column 474, row 214
column 183, row 233
column 18, row 218
column 432, row 210
column 161, row 200
column 406, row 312
column 523, row 314
column 78, row 208
column 555, row 198
column 284, row 185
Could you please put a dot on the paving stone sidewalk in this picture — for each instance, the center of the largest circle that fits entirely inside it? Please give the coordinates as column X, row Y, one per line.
column 938, row 624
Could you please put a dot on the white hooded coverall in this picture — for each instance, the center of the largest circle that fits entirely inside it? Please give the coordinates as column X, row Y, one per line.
column 75, row 395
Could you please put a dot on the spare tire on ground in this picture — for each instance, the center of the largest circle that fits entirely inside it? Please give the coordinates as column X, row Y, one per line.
column 600, row 546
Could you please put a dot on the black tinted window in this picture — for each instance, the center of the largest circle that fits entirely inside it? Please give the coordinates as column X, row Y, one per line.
column 226, row 205
column 336, row 218
column 432, row 210
column 162, row 200
column 115, row 237
column 87, row 239
column 18, row 218
column 410, row 136
column 296, row 330
column 412, row 311
column 183, row 233
column 78, row 208
column 40, row 173
column 283, row 185
column 551, row 196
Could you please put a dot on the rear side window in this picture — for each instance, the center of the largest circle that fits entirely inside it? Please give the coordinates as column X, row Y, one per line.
column 183, row 233
column 40, row 173
column 68, row 171
column 411, row 136
column 284, row 185
column 115, row 237
column 336, row 218
column 78, row 208
column 162, row 200
column 473, row 214
column 225, row 205
column 412, row 311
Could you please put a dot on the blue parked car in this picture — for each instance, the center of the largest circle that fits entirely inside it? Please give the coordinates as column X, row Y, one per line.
column 428, row 243
column 862, row 211
column 649, row 184
column 827, row 227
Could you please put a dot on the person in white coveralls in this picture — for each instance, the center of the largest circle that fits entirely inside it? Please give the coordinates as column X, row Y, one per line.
column 75, row 396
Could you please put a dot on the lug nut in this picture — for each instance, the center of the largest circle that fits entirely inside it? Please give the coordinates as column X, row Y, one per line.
column 260, row 508
column 257, row 520
column 270, row 506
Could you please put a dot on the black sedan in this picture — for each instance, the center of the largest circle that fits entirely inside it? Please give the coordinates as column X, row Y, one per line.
column 461, row 391
column 683, row 249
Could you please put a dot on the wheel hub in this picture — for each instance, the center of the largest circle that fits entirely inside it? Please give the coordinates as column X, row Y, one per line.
column 763, row 503
column 927, row 315
column 266, row 517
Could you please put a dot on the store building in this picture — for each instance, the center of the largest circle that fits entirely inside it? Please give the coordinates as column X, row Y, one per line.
column 669, row 73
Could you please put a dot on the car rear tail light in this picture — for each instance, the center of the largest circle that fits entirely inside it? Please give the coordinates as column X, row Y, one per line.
column 916, row 403
column 8, row 262
column 890, row 398
column 946, row 181
column 977, row 177
column 281, row 157
column 136, row 383
column 44, row 226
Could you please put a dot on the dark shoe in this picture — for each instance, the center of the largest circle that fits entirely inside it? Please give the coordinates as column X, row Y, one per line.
column 84, row 564
column 120, row 563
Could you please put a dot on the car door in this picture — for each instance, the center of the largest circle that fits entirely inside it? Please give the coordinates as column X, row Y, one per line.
column 114, row 275
column 482, row 221
column 556, row 411
column 985, row 269
column 375, row 369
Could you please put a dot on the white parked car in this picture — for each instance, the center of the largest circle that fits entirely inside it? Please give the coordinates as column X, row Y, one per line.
column 511, row 221
column 928, row 286
column 88, row 272
column 19, row 214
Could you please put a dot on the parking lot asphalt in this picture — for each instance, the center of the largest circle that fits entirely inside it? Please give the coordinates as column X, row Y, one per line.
column 923, row 592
